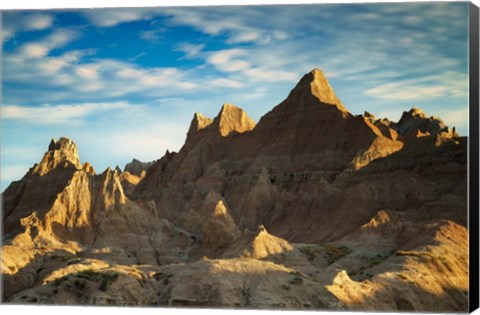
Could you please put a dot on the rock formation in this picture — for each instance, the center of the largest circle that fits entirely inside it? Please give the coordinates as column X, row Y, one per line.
column 311, row 208
column 137, row 167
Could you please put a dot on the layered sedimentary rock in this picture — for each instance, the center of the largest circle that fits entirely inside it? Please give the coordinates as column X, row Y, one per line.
column 311, row 207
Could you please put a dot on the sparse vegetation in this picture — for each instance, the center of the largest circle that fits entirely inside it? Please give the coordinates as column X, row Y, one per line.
column 374, row 261
column 88, row 274
column 247, row 294
column 308, row 251
column 334, row 253
column 297, row 278
column 285, row 287
column 80, row 285
column 296, row 281
column 158, row 275
column 106, row 278
column 73, row 261
column 167, row 280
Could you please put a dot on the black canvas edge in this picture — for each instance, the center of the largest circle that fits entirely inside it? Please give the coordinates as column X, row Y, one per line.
column 473, row 157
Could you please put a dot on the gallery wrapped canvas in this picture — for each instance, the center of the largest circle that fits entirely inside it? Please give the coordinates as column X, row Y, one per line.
column 334, row 167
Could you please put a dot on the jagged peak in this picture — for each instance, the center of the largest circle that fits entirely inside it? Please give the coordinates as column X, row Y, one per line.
column 316, row 83
column 60, row 152
column 88, row 168
column 416, row 120
column 415, row 111
column 232, row 118
column 220, row 209
column 136, row 167
column 199, row 122
column 258, row 244
column 262, row 229
column 370, row 116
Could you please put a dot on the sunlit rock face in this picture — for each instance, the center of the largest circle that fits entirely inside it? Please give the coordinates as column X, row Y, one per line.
column 310, row 208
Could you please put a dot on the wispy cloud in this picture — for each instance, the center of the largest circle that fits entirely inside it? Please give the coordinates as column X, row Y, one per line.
column 455, row 117
column 228, row 83
column 112, row 17
column 240, row 24
column 190, row 50
column 58, row 114
column 448, row 84
column 68, row 76
column 241, row 62
column 153, row 36
column 229, row 60
column 18, row 22
column 13, row 172
column 57, row 39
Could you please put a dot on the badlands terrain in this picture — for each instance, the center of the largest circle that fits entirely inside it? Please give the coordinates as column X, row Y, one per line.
column 310, row 208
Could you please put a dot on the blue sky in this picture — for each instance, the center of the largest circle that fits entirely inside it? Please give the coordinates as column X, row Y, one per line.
column 124, row 83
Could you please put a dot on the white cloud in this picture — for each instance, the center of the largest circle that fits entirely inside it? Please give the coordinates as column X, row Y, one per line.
column 14, row 22
column 244, row 62
column 457, row 117
column 153, row 36
column 67, row 76
column 228, row 83
column 57, row 39
column 191, row 50
column 242, row 25
column 271, row 75
column 447, row 84
column 58, row 114
column 228, row 61
column 13, row 172
column 399, row 91
column 35, row 50
column 89, row 72
column 112, row 17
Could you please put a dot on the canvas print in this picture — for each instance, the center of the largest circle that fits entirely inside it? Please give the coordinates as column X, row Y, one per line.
column 305, row 157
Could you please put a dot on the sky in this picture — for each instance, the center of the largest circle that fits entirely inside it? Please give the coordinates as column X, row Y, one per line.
column 125, row 83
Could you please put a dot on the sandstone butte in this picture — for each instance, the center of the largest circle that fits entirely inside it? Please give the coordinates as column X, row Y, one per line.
column 311, row 208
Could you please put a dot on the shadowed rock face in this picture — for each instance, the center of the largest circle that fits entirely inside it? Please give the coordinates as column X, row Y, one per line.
column 310, row 208
column 137, row 167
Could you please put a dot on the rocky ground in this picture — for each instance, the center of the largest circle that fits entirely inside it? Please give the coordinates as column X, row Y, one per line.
column 310, row 208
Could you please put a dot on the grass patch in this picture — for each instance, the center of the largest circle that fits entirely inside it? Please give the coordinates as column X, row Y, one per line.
column 285, row 287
